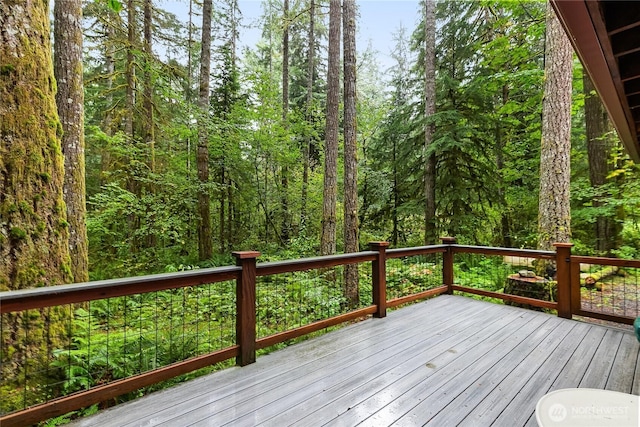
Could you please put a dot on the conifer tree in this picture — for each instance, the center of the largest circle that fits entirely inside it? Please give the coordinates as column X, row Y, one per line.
column 330, row 193
column 205, row 246
column 350, row 151
column 554, row 218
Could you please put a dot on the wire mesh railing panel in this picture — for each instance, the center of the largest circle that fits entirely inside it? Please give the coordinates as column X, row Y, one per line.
column 29, row 340
column 513, row 275
column 72, row 348
column 288, row 301
column 610, row 289
column 413, row 274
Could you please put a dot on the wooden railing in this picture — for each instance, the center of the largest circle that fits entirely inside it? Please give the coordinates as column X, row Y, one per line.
column 246, row 274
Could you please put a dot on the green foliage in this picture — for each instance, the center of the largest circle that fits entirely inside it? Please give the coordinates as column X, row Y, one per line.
column 121, row 337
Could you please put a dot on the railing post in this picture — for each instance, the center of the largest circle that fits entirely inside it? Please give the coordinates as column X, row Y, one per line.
column 563, row 278
column 447, row 264
column 379, row 276
column 246, row 307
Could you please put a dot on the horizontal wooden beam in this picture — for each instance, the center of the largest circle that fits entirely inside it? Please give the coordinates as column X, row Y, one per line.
column 608, row 317
column 507, row 297
column 313, row 327
column 416, row 297
column 280, row 267
column 82, row 292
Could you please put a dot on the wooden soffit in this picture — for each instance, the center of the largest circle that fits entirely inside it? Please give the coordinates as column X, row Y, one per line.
column 606, row 37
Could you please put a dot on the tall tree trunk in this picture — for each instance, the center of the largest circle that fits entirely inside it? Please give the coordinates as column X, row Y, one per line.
column 285, row 228
column 330, row 193
column 430, row 231
column 598, row 147
column 396, row 195
column 70, row 104
column 554, row 217
column 149, row 134
column 109, row 123
column 505, row 224
column 130, row 71
column 205, row 245
column 34, row 233
column 189, row 92
column 350, row 152
column 223, row 202
column 306, row 151
column 147, row 104
column 34, row 220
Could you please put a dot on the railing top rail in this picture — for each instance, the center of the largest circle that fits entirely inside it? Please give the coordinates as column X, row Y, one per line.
column 81, row 292
column 419, row 250
column 634, row 263
column 487, row 250
column 289, row 266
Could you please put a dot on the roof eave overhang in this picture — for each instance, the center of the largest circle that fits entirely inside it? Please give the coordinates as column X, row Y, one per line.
column 591, row 43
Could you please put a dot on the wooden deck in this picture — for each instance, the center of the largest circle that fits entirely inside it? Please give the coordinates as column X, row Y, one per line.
column 447, row 361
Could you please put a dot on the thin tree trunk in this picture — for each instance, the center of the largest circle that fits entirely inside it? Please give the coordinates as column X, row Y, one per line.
column 147, row 103
column 109, row 124
column 70, row 103
column 329, row 199
column 205, row 245
column 149, row 135
column 189, row 92
column 598, row 147
column 309, row 114
column 505, row 224
column 285, row 228
column 130, row 71
column 430, row 232
column 223, row 201
column 396, row 195
column 350, row 152
column 554, row 217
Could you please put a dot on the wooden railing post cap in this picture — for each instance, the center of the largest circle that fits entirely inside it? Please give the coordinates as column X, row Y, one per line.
column 378, row 244
column 239, row 255
column 563, row 245
column 448, row 240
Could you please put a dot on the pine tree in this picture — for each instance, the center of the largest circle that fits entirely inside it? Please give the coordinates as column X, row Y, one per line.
column 554, row 221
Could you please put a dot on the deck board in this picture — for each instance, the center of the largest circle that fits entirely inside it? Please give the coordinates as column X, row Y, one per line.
column 450, row 360
column 378, row 379
column 527, row 385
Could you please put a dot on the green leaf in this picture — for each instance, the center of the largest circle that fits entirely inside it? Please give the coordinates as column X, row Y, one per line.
column 114, row 5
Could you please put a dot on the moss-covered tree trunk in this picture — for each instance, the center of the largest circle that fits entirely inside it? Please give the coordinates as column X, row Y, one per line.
column 70, row 103
column 33, row 226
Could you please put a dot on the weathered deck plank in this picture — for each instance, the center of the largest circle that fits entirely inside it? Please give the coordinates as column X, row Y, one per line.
column 401, row 376
column 447, row 361
column 504, row 405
